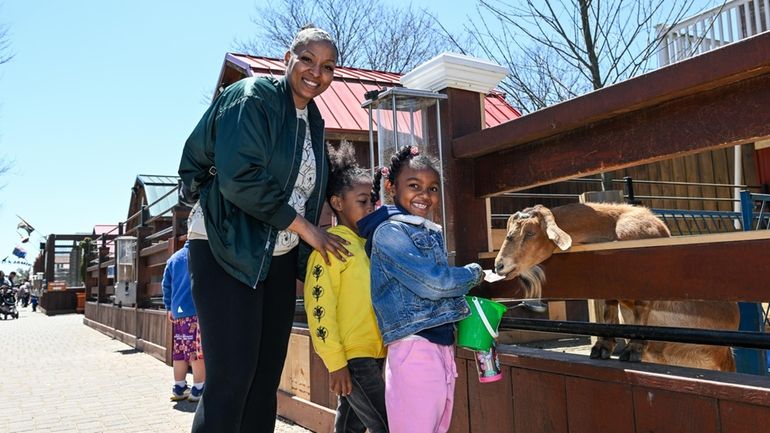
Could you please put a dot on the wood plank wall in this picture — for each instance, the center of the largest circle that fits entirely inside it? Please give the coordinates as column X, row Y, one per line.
column 715, row 166
column 545, row 391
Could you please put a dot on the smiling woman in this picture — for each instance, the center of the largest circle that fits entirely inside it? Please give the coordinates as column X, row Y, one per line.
column 258, row 162
column 310, row 65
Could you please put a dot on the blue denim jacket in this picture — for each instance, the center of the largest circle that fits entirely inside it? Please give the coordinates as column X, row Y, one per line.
column 413, row 286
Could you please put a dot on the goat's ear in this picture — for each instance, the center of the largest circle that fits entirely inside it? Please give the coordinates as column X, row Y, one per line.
column 556, row 234
column 559, row 237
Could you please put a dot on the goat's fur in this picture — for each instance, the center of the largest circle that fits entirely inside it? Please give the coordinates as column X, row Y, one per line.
column 533, row 235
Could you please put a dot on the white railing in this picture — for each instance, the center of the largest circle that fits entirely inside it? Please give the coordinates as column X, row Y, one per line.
column 733, row 21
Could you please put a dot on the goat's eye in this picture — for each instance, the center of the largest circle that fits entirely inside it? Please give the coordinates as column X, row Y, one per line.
column 529, row 234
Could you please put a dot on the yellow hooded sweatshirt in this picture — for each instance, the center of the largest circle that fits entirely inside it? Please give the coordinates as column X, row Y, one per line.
column 338, row 304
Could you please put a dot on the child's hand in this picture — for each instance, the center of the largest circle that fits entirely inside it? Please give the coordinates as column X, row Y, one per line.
column 340, row 382
column 170, row 316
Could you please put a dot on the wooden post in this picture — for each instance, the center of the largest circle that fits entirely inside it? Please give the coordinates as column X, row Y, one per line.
column 50, row 258
column 179, row 215
column 142, row 279
column 142, row 270
column 461, row 114
column 101, row 281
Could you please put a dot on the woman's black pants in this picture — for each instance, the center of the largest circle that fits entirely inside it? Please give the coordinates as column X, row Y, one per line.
column 245, row 335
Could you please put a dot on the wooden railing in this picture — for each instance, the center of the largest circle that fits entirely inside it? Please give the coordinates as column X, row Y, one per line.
column 143, row 325
column 722, row 25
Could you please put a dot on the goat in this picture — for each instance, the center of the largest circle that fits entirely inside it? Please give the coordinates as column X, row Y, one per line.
column 534, row 234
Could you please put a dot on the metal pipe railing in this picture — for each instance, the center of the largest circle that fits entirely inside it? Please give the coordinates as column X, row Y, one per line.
column 751, row 340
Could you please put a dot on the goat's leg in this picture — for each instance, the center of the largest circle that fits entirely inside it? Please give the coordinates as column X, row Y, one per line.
column 605, row 345
column 635, row 348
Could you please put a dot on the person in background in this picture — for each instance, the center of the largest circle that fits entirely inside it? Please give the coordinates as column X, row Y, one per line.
column 417, row 296
column 24, row 294
column 338, row 303
column 187, row 349
column 34, row 296
column 258, row 162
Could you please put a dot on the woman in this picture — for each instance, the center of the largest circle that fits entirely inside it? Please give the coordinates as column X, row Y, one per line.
column 257, row 159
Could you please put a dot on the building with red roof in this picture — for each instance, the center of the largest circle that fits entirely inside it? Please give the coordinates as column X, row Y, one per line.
column 340, row 105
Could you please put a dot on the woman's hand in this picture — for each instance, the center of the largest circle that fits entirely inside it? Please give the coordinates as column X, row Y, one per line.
column 323, row 242
column 340, row 382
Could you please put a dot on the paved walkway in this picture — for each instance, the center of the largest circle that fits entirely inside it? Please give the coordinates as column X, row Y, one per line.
column 58, row 375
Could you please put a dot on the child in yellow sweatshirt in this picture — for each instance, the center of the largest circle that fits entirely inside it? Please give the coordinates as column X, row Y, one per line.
column 338, row 303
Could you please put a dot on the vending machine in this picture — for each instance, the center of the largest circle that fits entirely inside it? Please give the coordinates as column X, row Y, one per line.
column 126, row 262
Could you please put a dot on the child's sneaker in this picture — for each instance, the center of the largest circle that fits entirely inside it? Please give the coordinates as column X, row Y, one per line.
column 180, row 392
column 195, row 394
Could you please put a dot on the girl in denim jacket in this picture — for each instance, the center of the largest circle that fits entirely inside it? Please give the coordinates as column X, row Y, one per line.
column 417, row 296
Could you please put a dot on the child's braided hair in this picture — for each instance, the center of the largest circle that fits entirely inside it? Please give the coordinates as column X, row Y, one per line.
column 344, row 170
column 407, row 155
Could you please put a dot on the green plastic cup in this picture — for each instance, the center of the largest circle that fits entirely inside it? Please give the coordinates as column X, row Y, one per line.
column 478, row 331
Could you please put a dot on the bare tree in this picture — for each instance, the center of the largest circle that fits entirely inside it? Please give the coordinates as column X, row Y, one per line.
column 5, row 166
column 369, row 33
column 5, row 45
column 5, row 56
column 556, row 50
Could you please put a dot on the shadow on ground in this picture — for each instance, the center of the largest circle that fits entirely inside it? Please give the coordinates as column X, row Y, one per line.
column 185, row 406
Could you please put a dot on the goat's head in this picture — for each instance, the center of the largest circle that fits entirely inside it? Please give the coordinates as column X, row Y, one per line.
column 532, row 235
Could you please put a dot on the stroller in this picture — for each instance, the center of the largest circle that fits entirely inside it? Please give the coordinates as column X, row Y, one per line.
column 8, row 303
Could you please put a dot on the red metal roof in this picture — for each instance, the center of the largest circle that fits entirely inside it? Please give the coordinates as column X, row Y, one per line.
column 340, row 105
column 105, row 228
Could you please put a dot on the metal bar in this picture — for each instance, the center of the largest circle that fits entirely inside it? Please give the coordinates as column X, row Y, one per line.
column 747, row 209
column 629, row 188
column 752, row 340
column 441, row 167
column 666, row 197
column 664, row 182
column 761, row 215
column 395, row 122
column 371, row 140
column 763, row 197
column 535, row 195
column 678, row 227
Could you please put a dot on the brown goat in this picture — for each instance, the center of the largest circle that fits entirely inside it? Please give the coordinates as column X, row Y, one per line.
column 533, row 235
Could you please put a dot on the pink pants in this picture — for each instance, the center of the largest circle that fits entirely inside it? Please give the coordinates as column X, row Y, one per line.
column 419, row 386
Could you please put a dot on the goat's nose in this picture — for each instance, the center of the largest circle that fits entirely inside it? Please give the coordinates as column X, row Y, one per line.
column 498, row 266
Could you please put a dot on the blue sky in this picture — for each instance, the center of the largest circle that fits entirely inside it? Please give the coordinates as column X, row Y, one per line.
column 100, row 91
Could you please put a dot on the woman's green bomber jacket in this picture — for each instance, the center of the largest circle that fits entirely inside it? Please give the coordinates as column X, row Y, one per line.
column 252, row 135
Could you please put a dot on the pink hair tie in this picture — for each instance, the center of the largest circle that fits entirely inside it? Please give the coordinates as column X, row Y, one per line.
column 414, row 151
column 385, row 171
